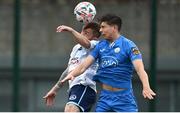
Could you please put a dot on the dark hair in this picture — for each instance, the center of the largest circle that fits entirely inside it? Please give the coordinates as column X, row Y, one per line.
column 111, row 19
column 95, row 28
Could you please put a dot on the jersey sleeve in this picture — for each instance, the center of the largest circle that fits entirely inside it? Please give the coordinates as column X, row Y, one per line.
column 133, row 51
column 95, row 52
column 93, row 43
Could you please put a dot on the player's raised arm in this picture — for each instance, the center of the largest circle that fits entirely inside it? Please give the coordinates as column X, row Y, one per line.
column 79, row 38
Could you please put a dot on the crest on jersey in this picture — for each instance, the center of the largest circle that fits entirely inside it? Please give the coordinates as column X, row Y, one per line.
column 117, row 50
column 135, row 50
column 102, row 50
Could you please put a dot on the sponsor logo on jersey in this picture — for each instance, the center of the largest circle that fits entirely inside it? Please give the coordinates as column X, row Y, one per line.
column 108, row 61
column 135, row 50
column 74, row 61
column 117, row 50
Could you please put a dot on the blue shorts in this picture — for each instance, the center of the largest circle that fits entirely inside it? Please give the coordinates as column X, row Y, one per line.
column 116, row 101
column 82, row 96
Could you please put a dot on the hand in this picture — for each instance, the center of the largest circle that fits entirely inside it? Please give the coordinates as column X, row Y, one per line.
column 49, row 97
column 148, row 93
column 63, row 28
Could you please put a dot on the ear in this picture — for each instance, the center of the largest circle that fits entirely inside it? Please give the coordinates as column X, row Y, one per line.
column 95, row 38
column 115, row 27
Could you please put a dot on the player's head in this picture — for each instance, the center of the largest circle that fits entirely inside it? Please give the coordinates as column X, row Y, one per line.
column 91, row 31
column 110, row 24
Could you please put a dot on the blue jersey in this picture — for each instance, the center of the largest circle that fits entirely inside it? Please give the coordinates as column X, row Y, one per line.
column 115, row 62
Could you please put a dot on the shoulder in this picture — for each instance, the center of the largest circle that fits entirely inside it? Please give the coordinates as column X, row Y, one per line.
column 76, row 46
column 127, row 42
column 93, row 43
column 100, row 43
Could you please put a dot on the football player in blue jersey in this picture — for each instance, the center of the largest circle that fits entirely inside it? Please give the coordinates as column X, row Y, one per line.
column 117, row 57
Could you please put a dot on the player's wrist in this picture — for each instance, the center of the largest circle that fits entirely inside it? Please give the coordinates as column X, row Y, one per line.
column 146, row 87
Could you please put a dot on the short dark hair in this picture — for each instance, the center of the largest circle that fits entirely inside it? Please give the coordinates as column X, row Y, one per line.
column 95, row 28
column 111, row 19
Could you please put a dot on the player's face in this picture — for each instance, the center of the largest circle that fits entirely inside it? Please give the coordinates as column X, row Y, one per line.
column 106, row 30
column 88, row 33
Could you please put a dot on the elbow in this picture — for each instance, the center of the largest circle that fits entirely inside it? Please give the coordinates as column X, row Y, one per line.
column 87, row 45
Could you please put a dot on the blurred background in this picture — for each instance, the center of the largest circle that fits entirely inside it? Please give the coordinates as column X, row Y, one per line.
column 33, row 55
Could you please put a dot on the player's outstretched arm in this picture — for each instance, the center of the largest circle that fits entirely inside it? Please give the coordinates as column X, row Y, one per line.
column 63, row 75
column 79, row 38
column 147, row 91
column 79, row 69
column 50, row 96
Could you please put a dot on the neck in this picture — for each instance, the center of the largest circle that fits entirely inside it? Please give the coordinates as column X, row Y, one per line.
column 114, row 37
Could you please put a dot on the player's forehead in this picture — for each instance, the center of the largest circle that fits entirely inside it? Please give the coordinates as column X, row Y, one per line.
column 103, row 24
column 89, row 30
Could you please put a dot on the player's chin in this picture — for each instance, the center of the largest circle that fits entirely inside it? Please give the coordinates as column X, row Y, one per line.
column 104, row 35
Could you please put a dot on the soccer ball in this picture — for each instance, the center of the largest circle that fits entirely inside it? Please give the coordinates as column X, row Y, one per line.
column 85, row 12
